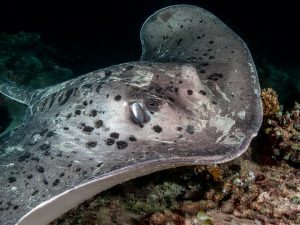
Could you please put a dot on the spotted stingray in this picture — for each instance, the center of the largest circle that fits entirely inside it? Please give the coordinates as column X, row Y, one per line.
column 192, row 99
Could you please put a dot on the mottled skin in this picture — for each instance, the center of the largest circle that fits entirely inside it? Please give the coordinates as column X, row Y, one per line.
column 206, row 110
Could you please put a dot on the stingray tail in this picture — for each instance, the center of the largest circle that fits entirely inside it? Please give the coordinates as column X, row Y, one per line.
column 14, row 91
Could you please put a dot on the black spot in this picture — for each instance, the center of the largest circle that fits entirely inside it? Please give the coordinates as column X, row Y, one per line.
column 45, row 181
column 15, row 207
column 114, row 135
column 91, row 144
column 202, row 92
column 43, row 132
column 88, row 129
column 211, row 57
column 62, row 174
column 190, row 129
column 98, row 88
column 66, row 128
column 45, row 146
column 77, row 170
column 99, row 164
column 171, row 99
column 29, row 176
column 179, row 41
column 181, row 26
column 110, row 141
column 132, row 138
column 129, row 67
column 215, row 76
column 93, row 113
column 202, row 71
column 98, row 123
column 91, row 102
column 85, row 103
column 87, row 86
column 107, row 73
column 77, row 112
column 117, row 97
column 198, row 37
column 35, row 192
column 46, row 153
column 157, row 128
column 69, row 115
column 67, row 96
column 190, row 92
column 11, row 179
column 50, row 134
column 179, row 128
column 121, row 144
column 22, row 158
column 40, row 169
column 211, row 42
column 107, row 95
column 213, row 102
column 56, row 182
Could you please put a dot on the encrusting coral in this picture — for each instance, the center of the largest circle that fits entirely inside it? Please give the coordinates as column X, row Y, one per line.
column 281, row 129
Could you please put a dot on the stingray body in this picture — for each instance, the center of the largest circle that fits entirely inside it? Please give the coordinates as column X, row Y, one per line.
column 195, row 91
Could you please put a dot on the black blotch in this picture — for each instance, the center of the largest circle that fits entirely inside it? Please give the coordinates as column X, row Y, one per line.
column 22, row 158
column 98, row 123
column 157, row 128
column 77, row 170
column 132, row 138
column 202, row 92
column 114, row 135
column 40, row 169
column 110, row 141
column 176, row 90
column 46, row 153
column 11, row 179
column 93, row 113
column 190, row 92
column 98, row 88
column 44, row 147
column 211, row 57
column 62, row 174
column 190, row 129
column 85, row 103
column 45, row 181
column 35, row 192
column 107, row 95
column 67, row 96
column 181, row 26
column 77, row 112
column 179, row 41
column 99, row 164
column 202, row 71
column 56, row 182
column 69, row 115
column 66, row 128
column 213, row 102
column 215, row 76
column 121, row 144
column 88, row 129
column 29, row 176
column 179, row 128
column 198, row 37
column 43, row 132
column 107, row 73
column 91, row 102
column 50, row 134
column 171, row 99
column 15, row 207
column 117, row 97
column 129, row 67
column 211, row 42
column 91, row 144
column 52, row 100
column 87, row 86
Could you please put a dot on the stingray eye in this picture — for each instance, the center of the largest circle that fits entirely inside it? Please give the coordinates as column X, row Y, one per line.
column 138, row 113
column 153, row 103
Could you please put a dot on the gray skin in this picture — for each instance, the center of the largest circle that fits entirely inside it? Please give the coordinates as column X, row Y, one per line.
column 81, row 138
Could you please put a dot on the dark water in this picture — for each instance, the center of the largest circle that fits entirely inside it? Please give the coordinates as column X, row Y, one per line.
column 91, row 35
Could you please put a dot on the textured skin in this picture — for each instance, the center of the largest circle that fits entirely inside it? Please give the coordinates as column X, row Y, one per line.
column 80, row 131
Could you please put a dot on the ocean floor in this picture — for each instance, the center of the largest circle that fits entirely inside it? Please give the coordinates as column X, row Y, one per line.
column 239, row 192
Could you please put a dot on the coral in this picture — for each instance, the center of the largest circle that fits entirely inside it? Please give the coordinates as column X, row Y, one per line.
column 270, row 102
column 281, row 129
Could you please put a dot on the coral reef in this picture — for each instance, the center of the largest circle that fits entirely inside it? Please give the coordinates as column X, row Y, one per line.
column 238, row 192
column 281, row 137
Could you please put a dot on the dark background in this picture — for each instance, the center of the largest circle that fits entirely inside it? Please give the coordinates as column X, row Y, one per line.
column 100, row 33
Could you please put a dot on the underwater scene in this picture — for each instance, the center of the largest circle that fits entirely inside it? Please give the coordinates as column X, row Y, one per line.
column 150, row 113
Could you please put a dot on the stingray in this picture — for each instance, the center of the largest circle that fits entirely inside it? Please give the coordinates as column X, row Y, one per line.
column 193, row 98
